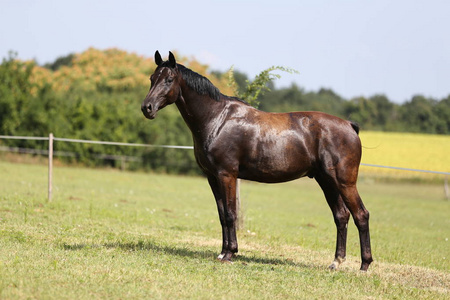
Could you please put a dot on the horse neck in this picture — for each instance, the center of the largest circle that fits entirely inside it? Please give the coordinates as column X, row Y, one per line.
column 197, row 110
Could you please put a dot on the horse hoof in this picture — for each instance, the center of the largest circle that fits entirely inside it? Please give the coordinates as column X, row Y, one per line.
column 225, row 257
column 337, row 261
column 364, row 268
column 333, row 266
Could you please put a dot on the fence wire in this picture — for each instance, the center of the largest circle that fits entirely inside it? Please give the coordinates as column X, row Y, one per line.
column 119, row 157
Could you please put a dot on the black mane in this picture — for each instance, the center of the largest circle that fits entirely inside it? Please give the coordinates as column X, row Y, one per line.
column 203, row 86
column 199, row 83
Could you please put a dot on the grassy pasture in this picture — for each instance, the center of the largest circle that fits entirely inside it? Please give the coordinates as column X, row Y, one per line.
column 115, row 235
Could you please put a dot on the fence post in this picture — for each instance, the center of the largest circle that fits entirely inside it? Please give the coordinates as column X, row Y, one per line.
column 122, row 163
column 240, row 215
column 50, row 165
column 446, row 191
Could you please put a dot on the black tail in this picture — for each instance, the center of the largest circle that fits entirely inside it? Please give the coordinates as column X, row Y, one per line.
column 355, row 126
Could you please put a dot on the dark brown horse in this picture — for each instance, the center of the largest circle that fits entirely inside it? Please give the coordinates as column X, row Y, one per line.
column 234, row 140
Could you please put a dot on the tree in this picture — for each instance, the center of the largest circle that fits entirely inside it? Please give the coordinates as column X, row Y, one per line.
column 97, row 95
column 240, row 78
column 384, row 112
column 362, row 111
column 284, row 100
column 442, row 111
column 418, row 115
column 61, row 61
column 15, row 92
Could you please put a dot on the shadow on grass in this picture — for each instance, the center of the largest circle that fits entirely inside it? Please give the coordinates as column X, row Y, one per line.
column 182, row 252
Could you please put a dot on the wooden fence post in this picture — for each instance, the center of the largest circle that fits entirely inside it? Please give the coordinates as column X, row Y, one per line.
column 50, row 166
column 446, row 190
column 240, row 215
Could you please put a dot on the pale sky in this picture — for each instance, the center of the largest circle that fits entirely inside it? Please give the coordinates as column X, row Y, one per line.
column 356, row 48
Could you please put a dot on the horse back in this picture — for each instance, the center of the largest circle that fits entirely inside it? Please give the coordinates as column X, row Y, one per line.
column 277, row 147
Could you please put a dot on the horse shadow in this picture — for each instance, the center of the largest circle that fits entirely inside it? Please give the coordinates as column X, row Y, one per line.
column 174, row 250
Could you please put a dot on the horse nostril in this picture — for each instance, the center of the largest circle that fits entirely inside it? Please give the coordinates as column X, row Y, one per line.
column 149, row 110
column 146, row 108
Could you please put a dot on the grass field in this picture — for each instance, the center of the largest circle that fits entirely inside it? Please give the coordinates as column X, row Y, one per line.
column 117, row 235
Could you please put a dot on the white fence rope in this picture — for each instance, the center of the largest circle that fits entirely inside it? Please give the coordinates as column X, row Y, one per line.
column 93, row 142
column 122, row 144
column 50, row 153
column 45, row 152
column 405, row 169
column 13, row 137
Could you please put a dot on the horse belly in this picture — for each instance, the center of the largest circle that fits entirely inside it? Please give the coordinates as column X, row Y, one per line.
column 278, row 163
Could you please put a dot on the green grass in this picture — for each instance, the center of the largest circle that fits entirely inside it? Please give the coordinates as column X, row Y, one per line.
column 116, row 235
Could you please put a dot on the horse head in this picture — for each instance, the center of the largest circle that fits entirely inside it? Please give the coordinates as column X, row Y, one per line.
column 164, row 88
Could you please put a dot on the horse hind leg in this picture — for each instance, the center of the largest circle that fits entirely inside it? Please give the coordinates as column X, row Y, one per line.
column 341, row 216
column 360, row 216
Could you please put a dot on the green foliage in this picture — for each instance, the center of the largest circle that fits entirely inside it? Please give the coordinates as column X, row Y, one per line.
column 96, row 95
column 424, row 115
column 15, row 95
column 258, row 86
column 420, row 115
column 60, row 62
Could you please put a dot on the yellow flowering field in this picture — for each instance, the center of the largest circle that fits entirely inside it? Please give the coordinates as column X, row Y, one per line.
column 405, row 150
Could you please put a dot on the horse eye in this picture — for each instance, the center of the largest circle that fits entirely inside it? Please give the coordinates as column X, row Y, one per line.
column 170, row 79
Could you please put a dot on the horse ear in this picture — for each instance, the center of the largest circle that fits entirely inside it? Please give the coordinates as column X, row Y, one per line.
column 172, row 61
column 158, row 59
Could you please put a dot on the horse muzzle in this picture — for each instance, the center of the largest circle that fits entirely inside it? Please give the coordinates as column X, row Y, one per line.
column 149, row 111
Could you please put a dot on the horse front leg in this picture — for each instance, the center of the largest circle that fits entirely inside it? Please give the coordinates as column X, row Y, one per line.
column 220, row 208
column 227, row 184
